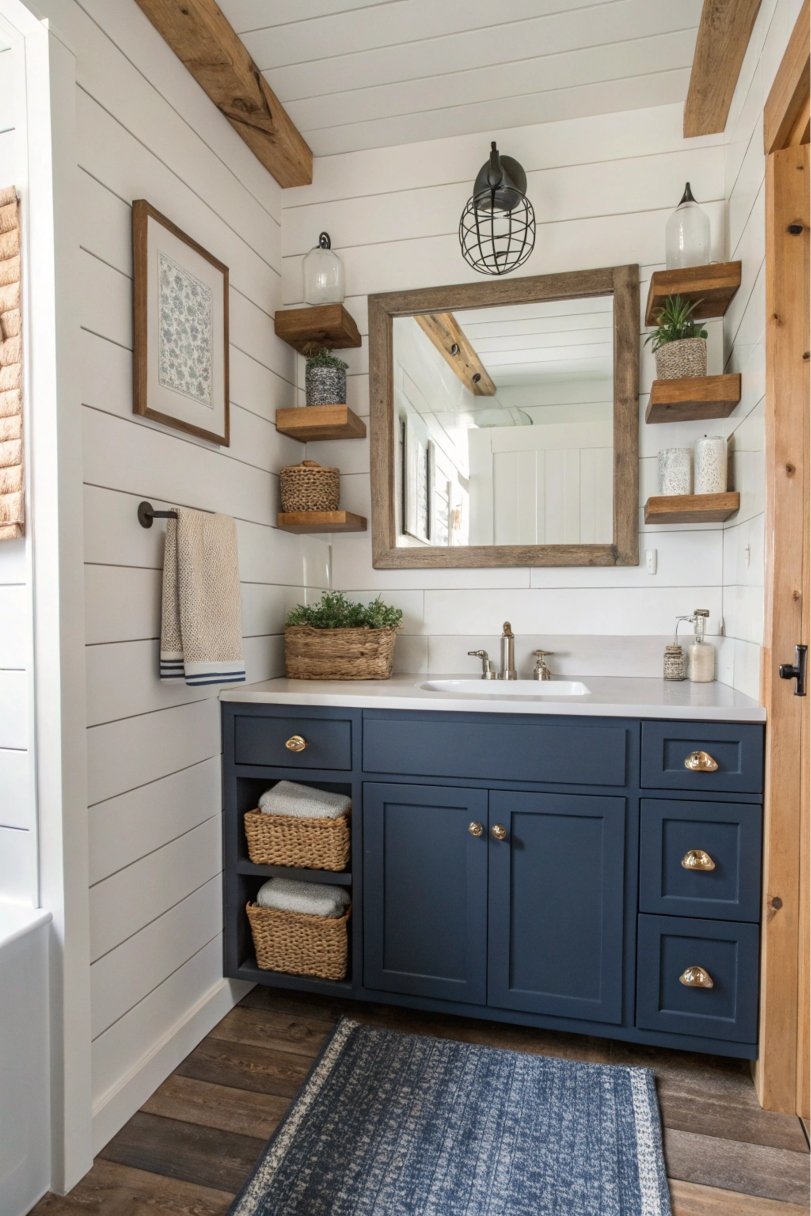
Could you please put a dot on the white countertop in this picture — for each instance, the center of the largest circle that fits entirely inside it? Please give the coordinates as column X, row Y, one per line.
column 609, row 696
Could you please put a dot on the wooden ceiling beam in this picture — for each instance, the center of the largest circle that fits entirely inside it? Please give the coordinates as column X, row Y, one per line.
column 785, row 115
column 456, row 349
column 723, row 36
column 205, row 42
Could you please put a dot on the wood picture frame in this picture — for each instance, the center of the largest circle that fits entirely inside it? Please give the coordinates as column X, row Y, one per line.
column 180, row 329
column 622, row 283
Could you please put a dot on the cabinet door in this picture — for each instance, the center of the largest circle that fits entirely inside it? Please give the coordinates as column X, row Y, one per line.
column 556, row 905
column 425, row 891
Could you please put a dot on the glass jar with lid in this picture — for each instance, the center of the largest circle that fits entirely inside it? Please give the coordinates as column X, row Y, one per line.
column 323, row 274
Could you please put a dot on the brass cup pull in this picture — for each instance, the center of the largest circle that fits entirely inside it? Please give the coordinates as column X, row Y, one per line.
column 296, row 743
column 498, row 831
column 696, row 977
column 701, row 762
column 475, row 829
column 697, row 859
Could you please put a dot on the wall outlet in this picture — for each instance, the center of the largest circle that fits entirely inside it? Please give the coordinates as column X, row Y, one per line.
column 651, row 560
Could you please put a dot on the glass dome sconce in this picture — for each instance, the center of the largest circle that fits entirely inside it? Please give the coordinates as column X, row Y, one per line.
column 497, row 228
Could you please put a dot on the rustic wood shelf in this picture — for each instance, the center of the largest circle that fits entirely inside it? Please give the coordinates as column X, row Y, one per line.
column 693, row 399
column 714, row 286
column 327, row 325
column 320, row 521
column 692, row 508
column 311, row 422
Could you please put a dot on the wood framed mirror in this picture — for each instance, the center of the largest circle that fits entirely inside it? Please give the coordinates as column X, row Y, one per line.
column 505, row 422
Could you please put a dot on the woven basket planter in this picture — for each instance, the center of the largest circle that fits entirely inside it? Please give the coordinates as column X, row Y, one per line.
column 338, row 654
column 685, row 358
column 287, row 840
column 310, row 486
column 298, row 943
column 325, row 385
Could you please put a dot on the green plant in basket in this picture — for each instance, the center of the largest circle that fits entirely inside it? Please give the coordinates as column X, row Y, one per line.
column 674, row 322
column 335, row 611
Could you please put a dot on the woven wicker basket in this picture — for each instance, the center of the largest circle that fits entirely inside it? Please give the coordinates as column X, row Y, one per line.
column 298, row 943
column 677, row 360
column 287, row 840
column 338, row 654
column 310, row 486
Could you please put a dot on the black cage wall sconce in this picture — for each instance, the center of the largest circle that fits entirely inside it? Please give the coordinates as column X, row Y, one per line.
column 497, row 228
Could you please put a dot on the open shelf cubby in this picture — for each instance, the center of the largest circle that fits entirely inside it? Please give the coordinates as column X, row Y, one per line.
column 710, row 287
column 692, row 508
column 693, row 399
column 309, row 423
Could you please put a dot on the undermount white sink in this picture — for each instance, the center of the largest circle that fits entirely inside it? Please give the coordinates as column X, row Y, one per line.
column 509, row 688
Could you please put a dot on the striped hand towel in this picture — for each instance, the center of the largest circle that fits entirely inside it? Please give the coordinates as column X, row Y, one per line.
column 201, row 619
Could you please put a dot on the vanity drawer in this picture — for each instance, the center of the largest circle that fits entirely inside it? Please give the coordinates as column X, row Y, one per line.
column 672, row 950
column 581, row 752
column 728, row 757
column 263, row 740
column 700, row 859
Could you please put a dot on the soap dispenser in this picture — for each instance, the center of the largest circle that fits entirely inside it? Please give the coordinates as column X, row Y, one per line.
column 700, row 653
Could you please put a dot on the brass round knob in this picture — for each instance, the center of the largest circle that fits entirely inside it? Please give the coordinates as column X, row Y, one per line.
column 696, row 977
column 701, row 762
column 296, row 743
column 498, row 831
column 475, row 829
column 697, row 859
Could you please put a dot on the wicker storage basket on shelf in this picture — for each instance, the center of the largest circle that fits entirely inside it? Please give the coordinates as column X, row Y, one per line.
column 338, row 654
column 682, row 359
column 310, row 486
column 298, row 943
column 287, row 840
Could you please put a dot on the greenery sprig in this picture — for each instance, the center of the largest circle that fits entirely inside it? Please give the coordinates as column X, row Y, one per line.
column 319, row 356
column 335, row 611
column 674, row 322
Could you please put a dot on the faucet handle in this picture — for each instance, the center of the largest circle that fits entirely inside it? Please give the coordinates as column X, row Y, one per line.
column 542, row 653
column 488, row 671
column 541, row 670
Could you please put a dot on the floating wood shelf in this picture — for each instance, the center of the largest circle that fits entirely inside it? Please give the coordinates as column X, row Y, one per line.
column 327, row 325
column 311, row 422
column 320, row 521
column 713, row 285
column 693, row 399
column 692, row 508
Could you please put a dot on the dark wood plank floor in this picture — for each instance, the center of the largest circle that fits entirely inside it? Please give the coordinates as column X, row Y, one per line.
column 191, row 1146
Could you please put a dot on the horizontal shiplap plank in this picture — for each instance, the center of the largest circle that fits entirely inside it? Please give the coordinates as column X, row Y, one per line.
column 14, row 687
column 126, row 828
column 17, row 806
column 134, row 897
column 122, row 978
column 15, row 630
column 118, row 1051
column 18, row 864
column 126, row 754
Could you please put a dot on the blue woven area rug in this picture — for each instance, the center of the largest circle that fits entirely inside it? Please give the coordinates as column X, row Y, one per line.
column 394, row 1124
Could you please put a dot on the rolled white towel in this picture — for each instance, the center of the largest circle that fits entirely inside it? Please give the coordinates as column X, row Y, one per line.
column 315, row 899
column 303, row 802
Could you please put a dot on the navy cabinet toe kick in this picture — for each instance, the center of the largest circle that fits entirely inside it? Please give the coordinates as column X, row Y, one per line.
column 594, row 875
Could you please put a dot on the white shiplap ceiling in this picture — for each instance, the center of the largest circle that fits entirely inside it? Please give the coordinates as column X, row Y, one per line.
column 358, row 74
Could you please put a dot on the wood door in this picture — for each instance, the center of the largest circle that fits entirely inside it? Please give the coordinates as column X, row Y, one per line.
column 782, row 1070
column 425, row 891
column 557, row 885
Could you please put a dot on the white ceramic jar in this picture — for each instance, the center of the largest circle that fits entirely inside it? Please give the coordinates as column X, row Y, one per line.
column 711, row 465
column 675, row 471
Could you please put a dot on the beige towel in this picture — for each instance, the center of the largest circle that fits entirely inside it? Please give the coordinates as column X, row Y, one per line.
column 201, row 619
column 11, row 409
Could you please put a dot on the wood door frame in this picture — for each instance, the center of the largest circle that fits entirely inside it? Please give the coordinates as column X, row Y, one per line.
column 780, row 1072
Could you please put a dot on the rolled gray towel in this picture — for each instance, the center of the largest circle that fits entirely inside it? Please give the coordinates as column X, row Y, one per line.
column 314, row 899
column 303, row 802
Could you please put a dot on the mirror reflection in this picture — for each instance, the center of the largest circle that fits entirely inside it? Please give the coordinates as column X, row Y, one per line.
column 504, row 425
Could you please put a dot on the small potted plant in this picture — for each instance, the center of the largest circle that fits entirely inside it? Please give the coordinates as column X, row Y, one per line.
column 339, row 639
column 324, row 377
column 679, row 342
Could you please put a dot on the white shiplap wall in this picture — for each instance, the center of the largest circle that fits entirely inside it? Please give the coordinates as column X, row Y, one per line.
column 18, row 800
column 744, row 325
column 602, row 188
column 145, row 129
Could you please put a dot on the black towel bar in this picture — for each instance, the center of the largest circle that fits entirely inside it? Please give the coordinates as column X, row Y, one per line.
column 147, row 513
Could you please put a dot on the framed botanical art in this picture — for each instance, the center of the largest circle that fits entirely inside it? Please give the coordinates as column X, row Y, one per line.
column 180, row 323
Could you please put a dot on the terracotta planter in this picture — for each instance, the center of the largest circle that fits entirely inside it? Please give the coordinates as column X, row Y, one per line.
column 682, row 359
